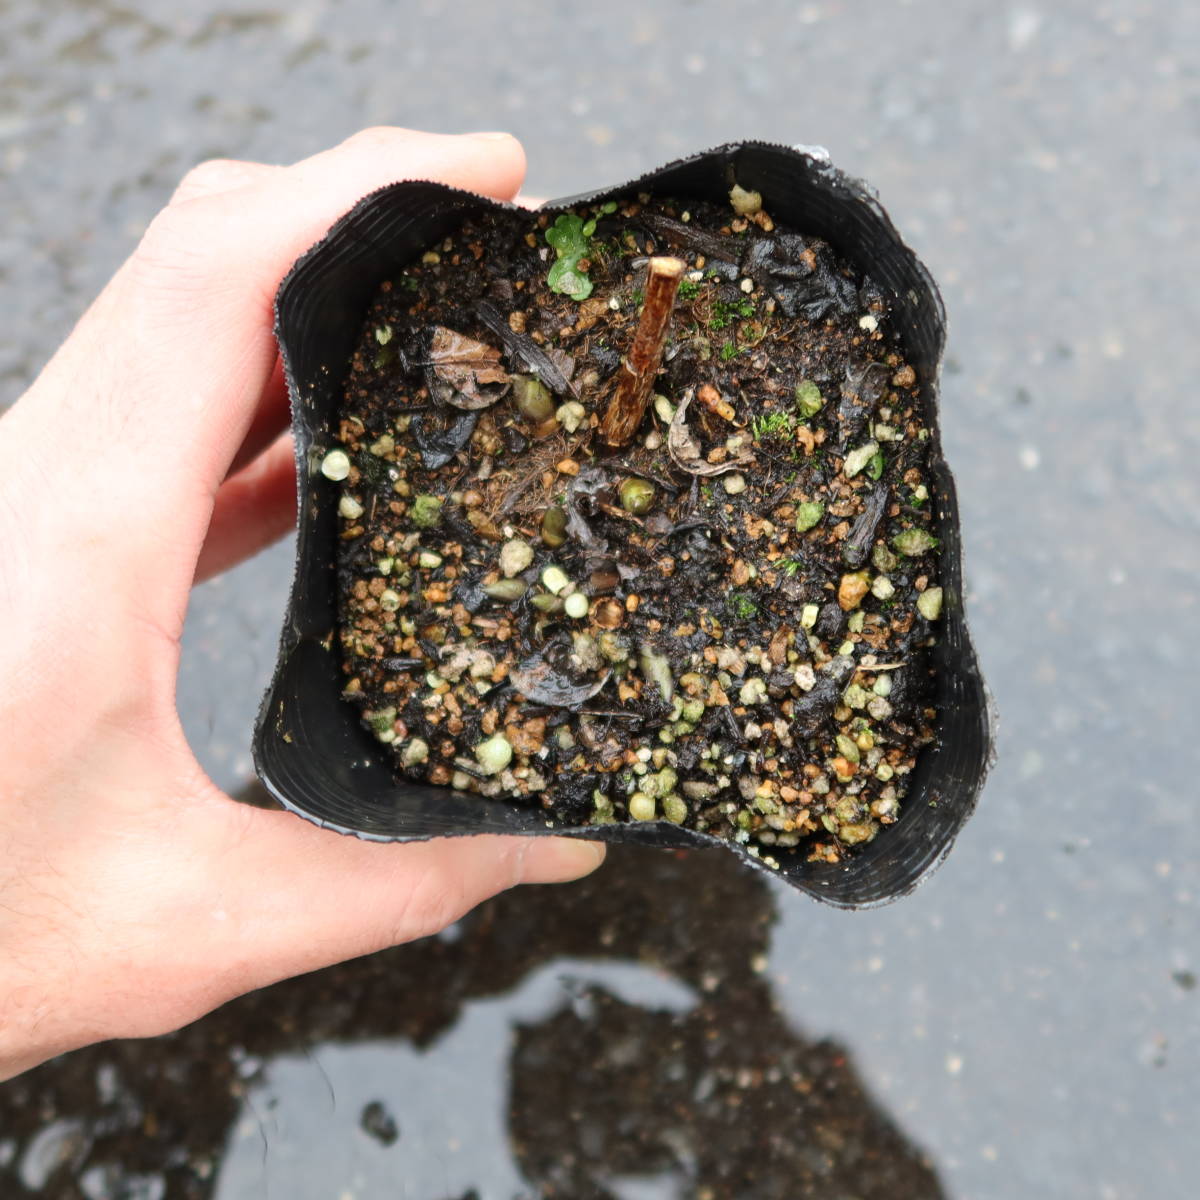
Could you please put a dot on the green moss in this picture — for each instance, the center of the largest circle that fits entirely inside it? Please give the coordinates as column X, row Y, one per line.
column 808, row 515
column 913, row 542
column 883, row 558
column 742, row 606
column 725, row 312
column 426, row 511
column 772, row 425
column 602, row 809
column 383, row 719
column 808, row 398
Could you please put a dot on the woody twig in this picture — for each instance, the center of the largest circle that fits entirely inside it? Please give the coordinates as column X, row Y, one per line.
column 638, row 369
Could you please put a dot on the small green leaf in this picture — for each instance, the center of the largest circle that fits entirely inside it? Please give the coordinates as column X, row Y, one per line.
column 564, row 279
column 569, row 238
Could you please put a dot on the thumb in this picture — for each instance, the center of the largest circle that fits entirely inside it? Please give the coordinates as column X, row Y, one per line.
column 296, row 897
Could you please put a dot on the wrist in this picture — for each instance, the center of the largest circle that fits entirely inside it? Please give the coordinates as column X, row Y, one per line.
column 31, row 1023
column 42, row 970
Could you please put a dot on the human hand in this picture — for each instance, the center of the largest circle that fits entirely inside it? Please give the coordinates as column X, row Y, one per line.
column 134, row 895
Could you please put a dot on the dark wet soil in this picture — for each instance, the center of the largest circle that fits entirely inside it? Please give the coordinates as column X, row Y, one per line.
column 722, row 622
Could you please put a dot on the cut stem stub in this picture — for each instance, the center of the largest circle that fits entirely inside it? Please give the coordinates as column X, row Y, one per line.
column 638, row 369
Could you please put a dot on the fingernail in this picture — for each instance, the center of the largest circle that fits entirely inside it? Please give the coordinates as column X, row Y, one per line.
column 498, row 136
column 558, row 860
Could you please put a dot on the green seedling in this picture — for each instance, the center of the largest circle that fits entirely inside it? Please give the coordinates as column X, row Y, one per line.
column 571, row 237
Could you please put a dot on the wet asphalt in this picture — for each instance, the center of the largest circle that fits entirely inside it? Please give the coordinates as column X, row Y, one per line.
column 1028, row 1023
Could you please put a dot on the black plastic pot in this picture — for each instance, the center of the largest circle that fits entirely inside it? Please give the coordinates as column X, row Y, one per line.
column 310, row 750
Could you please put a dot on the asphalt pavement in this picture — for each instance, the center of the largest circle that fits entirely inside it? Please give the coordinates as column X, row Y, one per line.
column 1026, row 1024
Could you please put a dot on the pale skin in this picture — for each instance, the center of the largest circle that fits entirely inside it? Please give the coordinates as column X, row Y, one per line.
column 151, row 453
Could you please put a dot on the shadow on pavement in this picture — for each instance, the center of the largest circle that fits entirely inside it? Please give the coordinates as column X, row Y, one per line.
column 653, row 1061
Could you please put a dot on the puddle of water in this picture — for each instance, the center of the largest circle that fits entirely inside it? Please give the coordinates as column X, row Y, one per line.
column 619, row 1037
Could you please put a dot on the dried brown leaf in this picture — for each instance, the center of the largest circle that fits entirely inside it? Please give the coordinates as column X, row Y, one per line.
column 685, row 450
column 470, row 369
column 563, row 362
